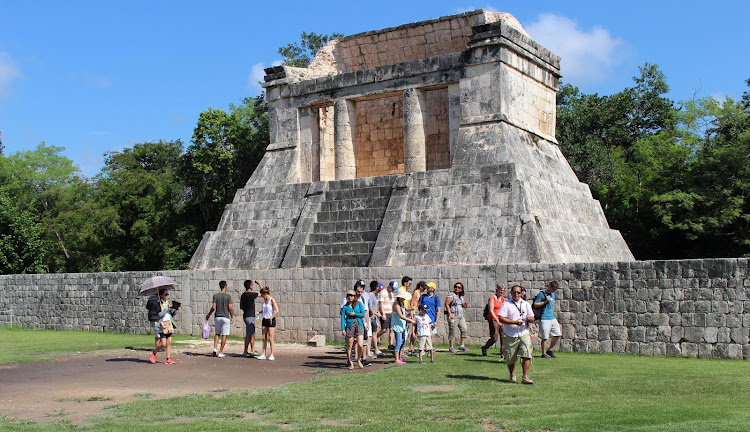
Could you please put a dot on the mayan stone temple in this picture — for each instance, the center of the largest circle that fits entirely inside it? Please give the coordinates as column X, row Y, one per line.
column 424, row 144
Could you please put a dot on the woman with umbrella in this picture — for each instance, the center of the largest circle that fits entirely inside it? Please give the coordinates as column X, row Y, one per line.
column 160, row 312
column 164, row 327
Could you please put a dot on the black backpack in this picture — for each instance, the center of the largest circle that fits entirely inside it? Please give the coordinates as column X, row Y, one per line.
column 538, row 310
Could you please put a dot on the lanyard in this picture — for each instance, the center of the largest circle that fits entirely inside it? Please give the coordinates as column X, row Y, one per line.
column 520, row 313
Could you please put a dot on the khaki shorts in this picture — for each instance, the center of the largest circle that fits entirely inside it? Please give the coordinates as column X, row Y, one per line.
column 514, row 347
column 425, row 343
column 455, row 325
column 549, row 328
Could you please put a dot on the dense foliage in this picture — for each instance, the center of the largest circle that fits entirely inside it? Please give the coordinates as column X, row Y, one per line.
column 674, row 178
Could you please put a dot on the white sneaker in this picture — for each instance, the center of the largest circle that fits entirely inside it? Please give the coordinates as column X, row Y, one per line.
column 261, row 357
column 378, row 353
column 271, row 357
column 220, row 355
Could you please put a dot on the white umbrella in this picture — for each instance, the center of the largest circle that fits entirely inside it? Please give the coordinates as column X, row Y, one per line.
column 151, row 285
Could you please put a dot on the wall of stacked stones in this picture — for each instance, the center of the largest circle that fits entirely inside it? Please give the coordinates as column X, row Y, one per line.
column 697, row 308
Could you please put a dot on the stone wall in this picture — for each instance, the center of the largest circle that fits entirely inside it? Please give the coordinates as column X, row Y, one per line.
column 379, row 135
column 696, row 308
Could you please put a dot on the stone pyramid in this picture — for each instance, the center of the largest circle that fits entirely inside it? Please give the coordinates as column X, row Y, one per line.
column 427, row 143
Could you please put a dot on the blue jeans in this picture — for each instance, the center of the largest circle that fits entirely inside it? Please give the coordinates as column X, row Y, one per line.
column 400, row 339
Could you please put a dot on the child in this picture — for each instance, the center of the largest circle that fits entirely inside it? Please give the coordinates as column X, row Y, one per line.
column 424, row 330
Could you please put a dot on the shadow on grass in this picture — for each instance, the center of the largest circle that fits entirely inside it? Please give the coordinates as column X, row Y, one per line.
column 477, row 378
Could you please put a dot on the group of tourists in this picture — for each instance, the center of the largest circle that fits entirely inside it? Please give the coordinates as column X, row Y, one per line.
column 394, row 312
column 397, row 313
column 224, row 318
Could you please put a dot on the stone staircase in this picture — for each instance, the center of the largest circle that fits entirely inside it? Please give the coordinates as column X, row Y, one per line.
column 347, row 223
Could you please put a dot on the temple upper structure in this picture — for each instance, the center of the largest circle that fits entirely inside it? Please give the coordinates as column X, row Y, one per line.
column 427, row 143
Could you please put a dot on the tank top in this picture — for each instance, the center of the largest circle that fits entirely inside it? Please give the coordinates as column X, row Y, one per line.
column 268, row 308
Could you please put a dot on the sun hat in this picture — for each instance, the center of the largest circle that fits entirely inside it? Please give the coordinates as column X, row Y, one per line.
column 351, row 292
column 404, row 295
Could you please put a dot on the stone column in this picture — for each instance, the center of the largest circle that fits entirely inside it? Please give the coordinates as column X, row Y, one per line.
column 415, row 131
column 306, row 144
column 454, row 117
column 343, row 139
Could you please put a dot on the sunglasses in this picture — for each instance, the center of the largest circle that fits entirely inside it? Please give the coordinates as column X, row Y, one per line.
column 350, row 295
column 516, row 292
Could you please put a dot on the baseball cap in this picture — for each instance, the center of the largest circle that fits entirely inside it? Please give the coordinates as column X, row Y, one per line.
column 432, row 285
column 423, row 307
column 393, row 285
column 360, row 283
column 380, row 286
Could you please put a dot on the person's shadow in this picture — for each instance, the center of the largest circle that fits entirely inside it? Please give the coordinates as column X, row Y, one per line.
column 477, row 378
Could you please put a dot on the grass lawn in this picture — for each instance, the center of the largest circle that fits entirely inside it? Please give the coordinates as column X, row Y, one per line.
column 462, row 392
column 19, row 345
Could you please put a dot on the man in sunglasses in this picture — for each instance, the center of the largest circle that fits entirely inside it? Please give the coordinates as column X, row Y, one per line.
column 516, row 314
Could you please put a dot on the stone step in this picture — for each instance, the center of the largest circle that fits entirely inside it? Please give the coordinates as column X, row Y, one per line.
column 339, row 248
column 346, row 226
column 343, row 237
column 366, row 203
column 347, row 194
column 351, row 215
column 351, row 260
column 275, row 193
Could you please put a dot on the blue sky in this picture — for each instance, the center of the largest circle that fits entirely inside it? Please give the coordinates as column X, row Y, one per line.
column 94, row 76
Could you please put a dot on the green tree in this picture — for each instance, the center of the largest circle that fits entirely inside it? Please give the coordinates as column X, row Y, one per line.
column 301, row 54
column 22, row 245
column 36, row 180
column 226, row 148
column 614, row 144
column 141, row 186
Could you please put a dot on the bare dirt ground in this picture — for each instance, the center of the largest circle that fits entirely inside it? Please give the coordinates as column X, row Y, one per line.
column 79, row 386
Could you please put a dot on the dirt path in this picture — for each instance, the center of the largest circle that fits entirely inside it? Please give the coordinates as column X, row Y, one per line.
column 79, row 386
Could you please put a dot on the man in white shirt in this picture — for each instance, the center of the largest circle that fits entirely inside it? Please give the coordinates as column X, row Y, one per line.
column 515, row 314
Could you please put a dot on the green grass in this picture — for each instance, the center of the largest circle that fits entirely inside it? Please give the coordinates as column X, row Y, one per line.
column 464, row 392
column 27, row 345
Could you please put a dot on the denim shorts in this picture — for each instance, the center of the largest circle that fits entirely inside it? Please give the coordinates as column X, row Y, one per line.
column 250, row 326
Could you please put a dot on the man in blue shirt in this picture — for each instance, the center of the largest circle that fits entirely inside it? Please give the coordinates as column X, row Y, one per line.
column 432, row 303
column 549, row 328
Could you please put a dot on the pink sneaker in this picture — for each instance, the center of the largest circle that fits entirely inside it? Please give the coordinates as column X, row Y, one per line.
column 169, row 361
column 400, row 362
column 153, row 358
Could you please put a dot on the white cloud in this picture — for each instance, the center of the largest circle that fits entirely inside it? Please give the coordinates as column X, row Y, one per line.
column 471, row 8
column 585, row 55
column 256, row 76
column 9, row 71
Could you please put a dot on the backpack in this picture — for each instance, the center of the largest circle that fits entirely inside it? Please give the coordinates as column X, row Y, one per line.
column 486, row 314
column 538, row 310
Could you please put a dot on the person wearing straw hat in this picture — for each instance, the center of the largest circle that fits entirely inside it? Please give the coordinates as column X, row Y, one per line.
column 398, row 324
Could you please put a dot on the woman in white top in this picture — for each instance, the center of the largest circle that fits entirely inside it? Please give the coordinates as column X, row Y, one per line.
column 270, row 310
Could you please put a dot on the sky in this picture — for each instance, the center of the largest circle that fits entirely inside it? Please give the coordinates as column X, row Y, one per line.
column 94, row 76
